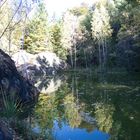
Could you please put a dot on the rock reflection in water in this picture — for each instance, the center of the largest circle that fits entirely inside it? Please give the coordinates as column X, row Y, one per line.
column 88, row 107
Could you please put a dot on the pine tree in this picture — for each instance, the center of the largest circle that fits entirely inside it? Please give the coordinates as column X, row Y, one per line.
column 37, row 35
column 56, row 34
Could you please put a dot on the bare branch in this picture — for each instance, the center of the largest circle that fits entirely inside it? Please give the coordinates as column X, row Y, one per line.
column 11, row 19
column 3, row 4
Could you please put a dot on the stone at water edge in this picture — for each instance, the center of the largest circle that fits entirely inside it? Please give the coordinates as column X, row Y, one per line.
column 38, row 65
column 12, row 82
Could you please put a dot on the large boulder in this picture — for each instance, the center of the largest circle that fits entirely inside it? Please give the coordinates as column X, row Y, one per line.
column 38, row 65
column 11, row 82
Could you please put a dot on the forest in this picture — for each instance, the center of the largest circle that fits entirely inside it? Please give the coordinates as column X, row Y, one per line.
column 60, row 75
column 105, row 34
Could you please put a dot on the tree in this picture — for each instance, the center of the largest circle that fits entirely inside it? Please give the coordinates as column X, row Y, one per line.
column 68, row 33
column 56, row 35
column 128, row 34
column 101, row 29
column 36, row 33
column 8, row 13
column 80, row 10
column 13, row 15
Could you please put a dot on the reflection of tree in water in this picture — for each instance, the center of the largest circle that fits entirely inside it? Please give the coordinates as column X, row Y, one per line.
column 71, row 111
column 112, row 102
column 59, row 106
column 111, row 111
column 45, row 112
column 115, row 131
column 116, row 114
column 104, row 115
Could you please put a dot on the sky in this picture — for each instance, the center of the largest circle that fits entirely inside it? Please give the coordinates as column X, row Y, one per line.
column 59, row 6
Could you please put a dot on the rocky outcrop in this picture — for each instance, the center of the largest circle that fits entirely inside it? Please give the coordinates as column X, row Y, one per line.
column 38, row 65
column 12, row 83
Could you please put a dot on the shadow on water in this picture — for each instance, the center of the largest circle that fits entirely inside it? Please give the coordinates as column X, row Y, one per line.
column 87, row 107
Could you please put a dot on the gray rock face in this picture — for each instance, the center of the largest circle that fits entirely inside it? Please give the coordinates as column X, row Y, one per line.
column 42, row 64
column 11, row 82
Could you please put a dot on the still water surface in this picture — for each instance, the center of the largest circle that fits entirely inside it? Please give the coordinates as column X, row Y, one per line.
column 88, row 107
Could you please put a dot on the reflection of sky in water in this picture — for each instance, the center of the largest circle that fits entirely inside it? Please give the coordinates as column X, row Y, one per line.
column 68, row 133
column 96, row 107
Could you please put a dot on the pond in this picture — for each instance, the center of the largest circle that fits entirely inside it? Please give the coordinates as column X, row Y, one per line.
column 86, row 106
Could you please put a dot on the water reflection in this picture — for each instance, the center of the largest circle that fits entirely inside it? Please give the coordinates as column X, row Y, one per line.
column 87, row 107
column 68, row 133
column 72, row 111
column 49, row 84
column 104, row 115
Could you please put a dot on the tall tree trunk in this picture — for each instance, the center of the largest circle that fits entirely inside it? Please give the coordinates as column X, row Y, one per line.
column 106, row 53
column 85, row 59
column 100, row 59
column 75, row 57
column 103, row 55
column 71, row 58
column 9, row 40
